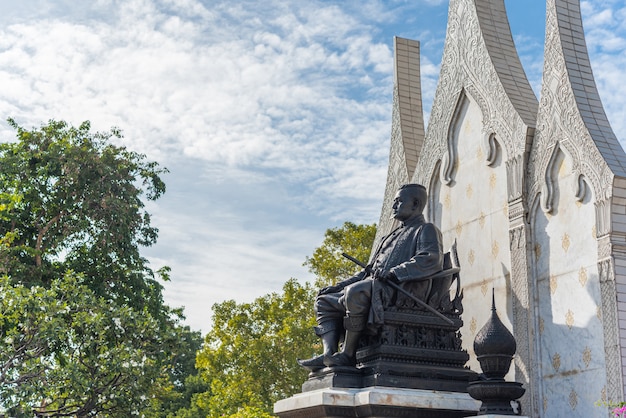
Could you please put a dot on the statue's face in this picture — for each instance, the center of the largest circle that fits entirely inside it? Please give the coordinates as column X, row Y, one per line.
column 405, row 206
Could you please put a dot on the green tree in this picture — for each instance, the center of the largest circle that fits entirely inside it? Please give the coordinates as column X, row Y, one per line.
column 67, row 352
column 69, row 199
column 98, row 340
column 327, row 263
column 248, row 360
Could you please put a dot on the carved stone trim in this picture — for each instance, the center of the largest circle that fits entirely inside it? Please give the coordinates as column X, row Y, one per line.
column 603, row 217
column 523, row 318
column 449, row 159
column 515, row 169
column 610, row 325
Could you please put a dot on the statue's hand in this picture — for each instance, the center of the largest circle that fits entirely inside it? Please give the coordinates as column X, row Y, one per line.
column 386, row 276
column 329, row 289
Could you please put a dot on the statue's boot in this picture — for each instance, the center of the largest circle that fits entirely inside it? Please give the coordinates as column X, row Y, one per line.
column 330, row 340
column 354, row 326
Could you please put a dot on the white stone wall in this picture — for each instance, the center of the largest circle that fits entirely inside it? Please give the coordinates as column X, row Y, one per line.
column 571, row 343
column 480, row 228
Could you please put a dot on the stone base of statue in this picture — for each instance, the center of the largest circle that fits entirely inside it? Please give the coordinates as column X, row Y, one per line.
column 334, row 377
column 379, row 402
column 413, row 366
column 416, row 350
column 413, row 350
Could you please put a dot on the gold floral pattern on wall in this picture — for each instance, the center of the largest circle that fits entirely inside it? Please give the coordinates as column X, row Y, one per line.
column 553, row 284
column 495, row 249
column 565, row 242
column 471, row 257
column 582, row 276
column 587, row 356
column 573, row 399
column 556, row 362
column 569, row 318
column 473, row 325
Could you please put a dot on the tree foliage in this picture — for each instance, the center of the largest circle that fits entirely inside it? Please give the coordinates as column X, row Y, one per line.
column 68, row 352
column 84, row 329
column 248, row 360
column 69, row 199
column 329, row 265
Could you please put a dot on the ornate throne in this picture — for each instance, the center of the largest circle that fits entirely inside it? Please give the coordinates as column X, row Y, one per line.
column 416, row 348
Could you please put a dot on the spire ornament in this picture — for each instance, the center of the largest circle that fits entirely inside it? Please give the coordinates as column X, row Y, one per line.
column 495, row 346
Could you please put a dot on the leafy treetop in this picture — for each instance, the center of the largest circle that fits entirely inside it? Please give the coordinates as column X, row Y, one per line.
column 71, row 200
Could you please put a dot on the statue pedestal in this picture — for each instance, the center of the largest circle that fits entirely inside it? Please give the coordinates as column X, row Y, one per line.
column 377, row 402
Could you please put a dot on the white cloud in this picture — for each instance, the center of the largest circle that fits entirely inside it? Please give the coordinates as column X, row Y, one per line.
column 606, row 40
column 274, row 117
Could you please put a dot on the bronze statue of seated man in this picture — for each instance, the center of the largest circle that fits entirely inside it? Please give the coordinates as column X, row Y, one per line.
column 404, row 258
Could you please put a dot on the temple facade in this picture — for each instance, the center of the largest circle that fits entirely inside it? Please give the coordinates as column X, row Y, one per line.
column 534, row 193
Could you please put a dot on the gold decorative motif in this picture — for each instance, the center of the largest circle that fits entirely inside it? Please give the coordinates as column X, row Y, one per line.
column 481, row 219
column 599, row 312
column 495, row 249
column 537, row 250
column 473, row 325
column 469, row 191
column 573, row 399
column 553, row 284
column 493, row 179
column 542, row 326
column 582, row 276
column 447, row 201
column 483, row 287
column 594, row 232
column 565, row 242
column 458, row 228
column 569, row 319
column 556, row 362
column 505, row 208
column 479, row 154
column 471, row 257
column 578, row 203
column 587, row 356
column 603, row 394
column 545, row 403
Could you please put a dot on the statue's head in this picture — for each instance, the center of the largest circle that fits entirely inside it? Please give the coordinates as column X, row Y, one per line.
column 409, row 202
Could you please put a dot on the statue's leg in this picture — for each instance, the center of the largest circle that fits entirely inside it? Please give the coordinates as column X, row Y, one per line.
column 356, row 299
column 329, row 332
column 329, row 311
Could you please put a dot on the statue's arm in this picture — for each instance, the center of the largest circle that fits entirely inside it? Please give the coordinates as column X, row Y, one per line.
column 339, row 286
column 427, row 258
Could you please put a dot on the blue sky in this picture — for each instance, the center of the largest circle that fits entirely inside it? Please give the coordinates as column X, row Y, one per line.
column 273, row 117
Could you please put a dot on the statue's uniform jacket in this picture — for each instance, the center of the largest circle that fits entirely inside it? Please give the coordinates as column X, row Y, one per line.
column 412, row 251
